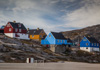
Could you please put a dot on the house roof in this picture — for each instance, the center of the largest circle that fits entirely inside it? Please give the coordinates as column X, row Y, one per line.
column 69, row 40
column 35, row 31
column 58, row 35
column 15, row 25
column 92, row 39
column 2, row 27
column 44, row 36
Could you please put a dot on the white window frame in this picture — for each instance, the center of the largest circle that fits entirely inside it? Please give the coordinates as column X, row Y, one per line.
column 20, row 30
column 10, row 29
column 94, row 44
column 63, row 41
column 16, row 30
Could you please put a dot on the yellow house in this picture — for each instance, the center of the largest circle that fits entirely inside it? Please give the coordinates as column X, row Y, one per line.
column 36, row 34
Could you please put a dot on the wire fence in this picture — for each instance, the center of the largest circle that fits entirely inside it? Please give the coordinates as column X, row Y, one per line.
column 38, row 61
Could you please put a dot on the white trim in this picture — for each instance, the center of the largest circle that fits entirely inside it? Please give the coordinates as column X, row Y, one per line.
column 20, row 30
column 12, row 35
column 21, row 35
column 16, row 30
column 90, row 49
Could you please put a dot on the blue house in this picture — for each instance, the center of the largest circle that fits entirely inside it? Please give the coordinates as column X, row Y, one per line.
column 2, row 29
column 89, row 44
column 54, row 38
column 56, row 42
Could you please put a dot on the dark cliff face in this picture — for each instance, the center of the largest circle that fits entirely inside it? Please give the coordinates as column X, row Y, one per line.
column 77, row 35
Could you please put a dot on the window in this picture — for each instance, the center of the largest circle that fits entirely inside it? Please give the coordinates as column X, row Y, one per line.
column 32, row 35
column 8, row 25
column 63, row 41
column 94, row 44
column 34, row 31
column 86, row 43
column 16, row 30
column 58, row 41
column 86, row 47
column 41, row 36
column 49, row 35
column 19, row 25
column 20, row 30
column 9, row 29
column 28, row 31
column 97, row 44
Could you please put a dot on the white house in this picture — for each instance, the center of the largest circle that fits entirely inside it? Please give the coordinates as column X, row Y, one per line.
column 89, row 44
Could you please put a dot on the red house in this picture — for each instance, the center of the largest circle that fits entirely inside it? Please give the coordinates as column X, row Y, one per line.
column 16, row 30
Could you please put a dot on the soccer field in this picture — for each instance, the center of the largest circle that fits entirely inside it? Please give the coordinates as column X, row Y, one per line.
column 49, row 66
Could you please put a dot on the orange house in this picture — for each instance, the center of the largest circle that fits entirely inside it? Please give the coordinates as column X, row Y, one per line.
column 36, row 34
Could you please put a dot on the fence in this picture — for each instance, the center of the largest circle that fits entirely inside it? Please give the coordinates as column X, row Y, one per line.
column 38, row 61
column 31, row 60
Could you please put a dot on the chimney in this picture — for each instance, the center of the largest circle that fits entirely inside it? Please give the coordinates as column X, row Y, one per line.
column 14, row 21
column 27, row 29
column 37, row 28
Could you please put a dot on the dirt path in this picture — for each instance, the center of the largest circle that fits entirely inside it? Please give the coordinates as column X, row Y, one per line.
column 50, row 66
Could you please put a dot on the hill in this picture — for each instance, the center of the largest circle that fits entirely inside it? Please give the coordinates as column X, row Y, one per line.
column 16, row 50
column 77, row 35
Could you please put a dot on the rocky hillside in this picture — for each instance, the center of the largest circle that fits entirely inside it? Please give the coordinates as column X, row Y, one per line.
column 15, row 50
column 77, row 35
